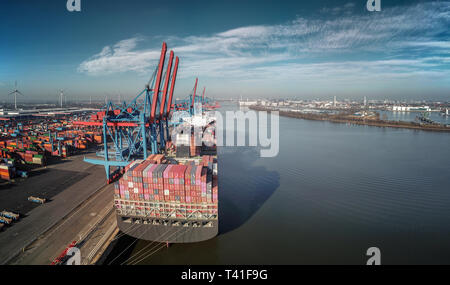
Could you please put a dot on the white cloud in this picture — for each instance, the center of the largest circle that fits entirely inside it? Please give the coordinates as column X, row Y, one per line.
column 306, row 49
column 433, row 44
column 119, row 58
column 345, row 9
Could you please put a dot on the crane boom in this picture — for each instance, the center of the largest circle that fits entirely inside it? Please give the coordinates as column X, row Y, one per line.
column 193, row 95
column 158, row 82
column 172, row 86
column 166, row 84
column 203, row 95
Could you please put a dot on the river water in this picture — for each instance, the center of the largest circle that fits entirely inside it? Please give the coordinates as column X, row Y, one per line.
column 333, row 191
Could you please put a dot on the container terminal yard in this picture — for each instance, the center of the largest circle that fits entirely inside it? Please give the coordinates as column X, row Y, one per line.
column 75, row 177
column 43, row 175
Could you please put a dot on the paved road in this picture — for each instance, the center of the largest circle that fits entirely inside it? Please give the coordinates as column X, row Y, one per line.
column 76, row 226
column 45, row 182
column 85, row 180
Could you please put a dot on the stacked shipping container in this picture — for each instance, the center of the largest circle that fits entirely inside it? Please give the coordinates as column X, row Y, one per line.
column 194, row 149
column 155, row 180
column 7, row 171
column 29, row 140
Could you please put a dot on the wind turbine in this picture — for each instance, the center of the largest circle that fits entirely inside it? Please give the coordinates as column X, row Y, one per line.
column 61, row 95
column 15, row 92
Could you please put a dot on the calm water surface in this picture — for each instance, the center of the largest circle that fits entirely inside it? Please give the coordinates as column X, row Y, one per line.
column 332, row 192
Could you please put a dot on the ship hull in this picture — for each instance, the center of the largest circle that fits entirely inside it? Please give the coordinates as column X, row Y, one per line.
column 166, row 232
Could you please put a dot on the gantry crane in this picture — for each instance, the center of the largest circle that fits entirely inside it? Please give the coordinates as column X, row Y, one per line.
column 188, row 104
column 132, row 130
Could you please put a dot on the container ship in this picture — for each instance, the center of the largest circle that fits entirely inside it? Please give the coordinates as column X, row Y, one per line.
column 165, row 187
column 170, row 197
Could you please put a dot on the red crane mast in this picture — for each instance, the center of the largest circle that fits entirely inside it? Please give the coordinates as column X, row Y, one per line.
column 158, row 82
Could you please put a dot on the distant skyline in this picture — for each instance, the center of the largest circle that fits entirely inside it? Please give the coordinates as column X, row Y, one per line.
column 249, row 48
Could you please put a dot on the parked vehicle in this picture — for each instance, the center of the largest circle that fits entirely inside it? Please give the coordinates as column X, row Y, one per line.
column 10, row 215
column 36, row 200
column 5, row 220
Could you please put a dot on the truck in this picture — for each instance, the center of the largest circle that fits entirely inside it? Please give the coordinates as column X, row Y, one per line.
column 5, row 220
column 10, row 215
column 36, row 200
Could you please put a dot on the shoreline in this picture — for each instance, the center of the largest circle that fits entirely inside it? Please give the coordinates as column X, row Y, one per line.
column 344, row 119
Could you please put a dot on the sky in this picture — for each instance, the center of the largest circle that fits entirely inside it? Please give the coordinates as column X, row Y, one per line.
column 272, row 49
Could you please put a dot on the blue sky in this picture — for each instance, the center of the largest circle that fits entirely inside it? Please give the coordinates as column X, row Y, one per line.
column 307, row 49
